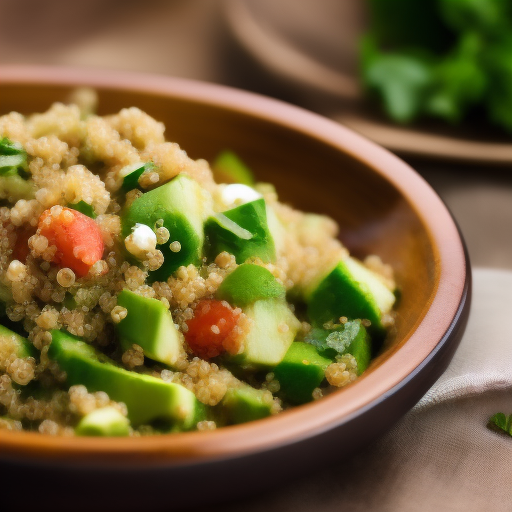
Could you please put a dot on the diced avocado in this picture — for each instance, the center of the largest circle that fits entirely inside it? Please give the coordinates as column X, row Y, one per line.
column 149, row 323
column 300, row 372
column 14, row 187
column 183, row 206
column 131, row 174
column 84, row 208
column 243, row 404
column 348, row 338
column 228, row 168
column 252, row 218
column 104, row 422
column 22, row 347
column 249, row 283
column 147, row 398
column 353, row 291
column 272, row 331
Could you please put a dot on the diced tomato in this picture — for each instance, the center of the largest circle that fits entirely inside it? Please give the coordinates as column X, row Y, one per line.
column 212, row 328
column 21, row 249
column 77, row 238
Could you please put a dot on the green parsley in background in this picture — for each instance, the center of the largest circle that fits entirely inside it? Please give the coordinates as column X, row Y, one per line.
column 445, row 59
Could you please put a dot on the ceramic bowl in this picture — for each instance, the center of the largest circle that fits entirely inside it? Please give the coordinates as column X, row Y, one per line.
column 383, row 207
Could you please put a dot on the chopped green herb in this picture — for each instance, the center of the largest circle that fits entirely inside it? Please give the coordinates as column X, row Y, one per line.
column 13, row 158
column 440, row 59
column 501, row 422
column 338, row 339
column 84, row 208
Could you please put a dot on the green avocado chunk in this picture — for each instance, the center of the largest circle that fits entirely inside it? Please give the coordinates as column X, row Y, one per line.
column 249, row 283
column 147, row 398
column 104, row 422
column 349, row 338
column 300, row 372
column 149, row 323
column 244, row 404
column 22, row 347
column 14, row 187
column 272, row 331
column 353, row 291
column 229, row 168
column 255, row 240
column 183, row 206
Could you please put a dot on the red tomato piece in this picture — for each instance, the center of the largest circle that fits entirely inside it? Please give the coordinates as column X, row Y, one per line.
column 77, row 238
column 212, row 328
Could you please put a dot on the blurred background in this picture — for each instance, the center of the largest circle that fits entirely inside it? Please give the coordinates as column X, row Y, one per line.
column 431, row 80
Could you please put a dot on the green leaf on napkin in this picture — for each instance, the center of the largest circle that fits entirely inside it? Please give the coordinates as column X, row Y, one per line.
column 501, row 423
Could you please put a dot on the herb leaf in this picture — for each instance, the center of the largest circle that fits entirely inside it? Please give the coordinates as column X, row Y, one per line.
column 501, row 422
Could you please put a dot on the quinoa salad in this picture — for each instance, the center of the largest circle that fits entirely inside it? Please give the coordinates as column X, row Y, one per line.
column 144, row 292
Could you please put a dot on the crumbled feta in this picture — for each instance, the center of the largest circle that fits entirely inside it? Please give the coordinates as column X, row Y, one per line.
column 141, row 240
column 236, row 194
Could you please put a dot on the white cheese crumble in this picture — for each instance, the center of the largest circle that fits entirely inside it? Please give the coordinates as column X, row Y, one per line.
column 141, row 240
column 237, row 194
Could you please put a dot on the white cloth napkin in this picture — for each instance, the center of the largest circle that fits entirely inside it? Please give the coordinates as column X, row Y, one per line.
column 440, row 456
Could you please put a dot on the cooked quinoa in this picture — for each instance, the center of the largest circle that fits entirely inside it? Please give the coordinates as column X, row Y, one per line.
column 69, row 183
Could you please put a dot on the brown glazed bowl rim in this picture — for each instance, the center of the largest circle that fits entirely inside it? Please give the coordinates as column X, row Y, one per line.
column 297, row 424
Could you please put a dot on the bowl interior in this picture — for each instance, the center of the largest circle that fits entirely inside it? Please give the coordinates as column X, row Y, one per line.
column 317, row 167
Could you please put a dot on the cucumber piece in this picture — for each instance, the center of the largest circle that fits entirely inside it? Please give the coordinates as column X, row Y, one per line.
column 147, row 398
column 272, row 332
column 84, row 208
column 104, row 422
column 229, row 168
column 22, row 347
column 252, row 218
column 300, row 372
column 244, row 404
column 351, row 290
column 149, row 324
column 249, row 283
column 131, row 174
column 183, row 206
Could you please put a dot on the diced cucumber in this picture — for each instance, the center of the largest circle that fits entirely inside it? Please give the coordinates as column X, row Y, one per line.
column 243, row 404
column 104, row 422
column 300, row 372
column 353, row 291
column 131, row 174
column 229, row 168
column 272, row 332
column 249, row 283
column 147, row 398
column 149, row 323
column 183, row 206
column 252, row 218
